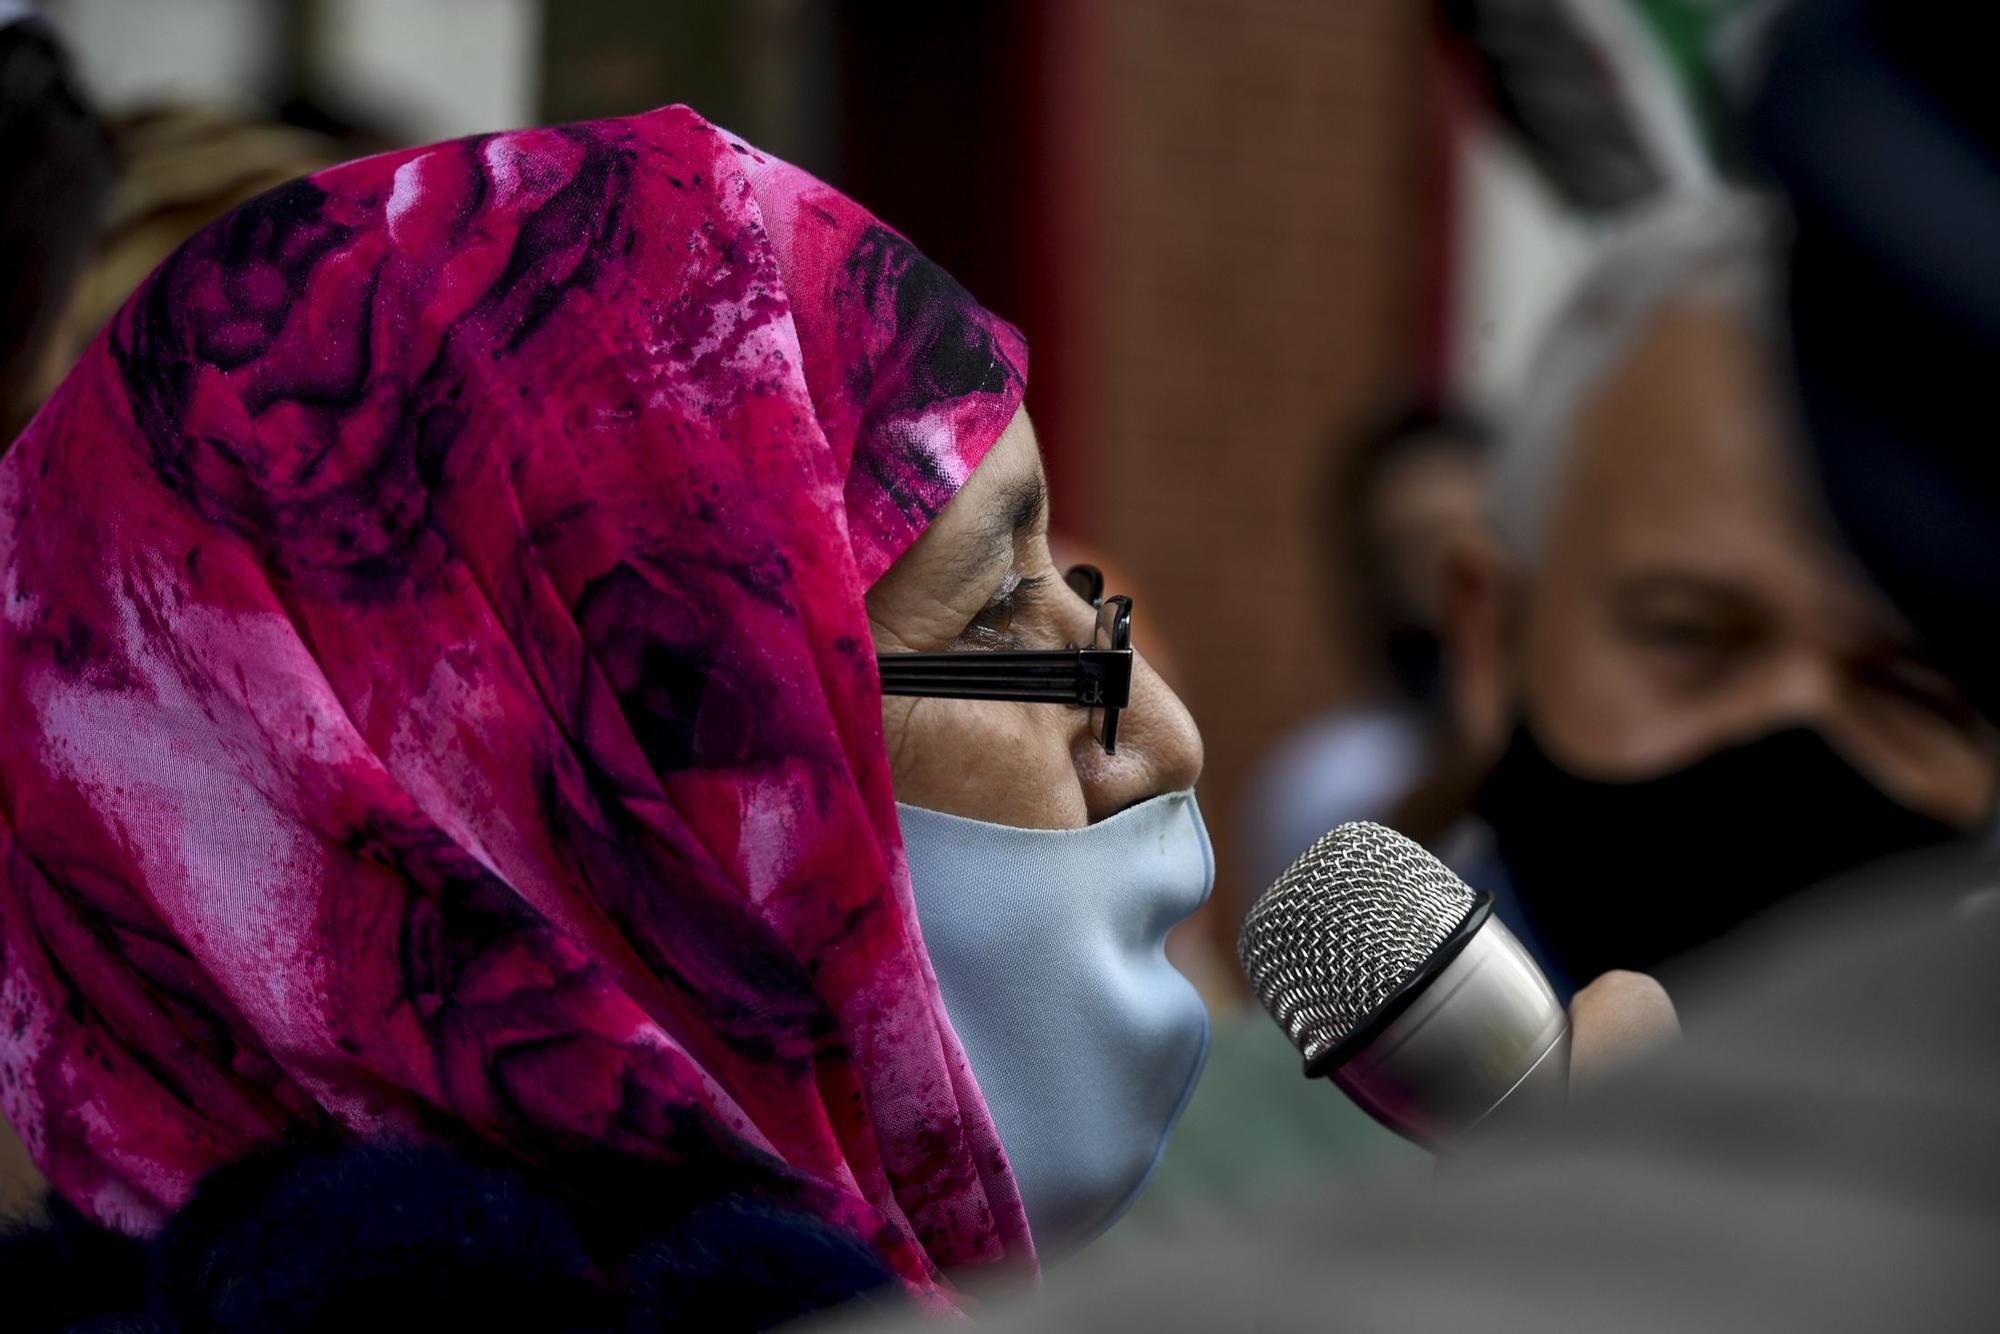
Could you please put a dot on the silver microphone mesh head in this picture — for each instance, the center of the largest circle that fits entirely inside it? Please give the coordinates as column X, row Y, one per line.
column 1355, row 917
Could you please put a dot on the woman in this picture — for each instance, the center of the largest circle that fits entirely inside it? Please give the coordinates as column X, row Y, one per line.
column 439, row 709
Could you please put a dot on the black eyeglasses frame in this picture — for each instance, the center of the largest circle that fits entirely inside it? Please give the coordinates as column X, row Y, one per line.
column 1098, row 678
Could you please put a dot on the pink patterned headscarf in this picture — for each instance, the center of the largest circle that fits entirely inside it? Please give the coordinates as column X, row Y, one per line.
column 436, row 695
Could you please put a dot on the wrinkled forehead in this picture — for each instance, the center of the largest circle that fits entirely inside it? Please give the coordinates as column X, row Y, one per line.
column 1686, row 464
column 975, row 538
column 1683, row 450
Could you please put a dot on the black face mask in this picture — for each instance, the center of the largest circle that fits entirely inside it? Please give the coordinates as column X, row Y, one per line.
column 1625, row 875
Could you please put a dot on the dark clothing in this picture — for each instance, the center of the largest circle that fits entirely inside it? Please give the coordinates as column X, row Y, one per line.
column 1878, row 120
column 351, row 1237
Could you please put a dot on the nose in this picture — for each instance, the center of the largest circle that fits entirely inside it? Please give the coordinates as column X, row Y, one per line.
column 1159, row 749
column 1803, row 688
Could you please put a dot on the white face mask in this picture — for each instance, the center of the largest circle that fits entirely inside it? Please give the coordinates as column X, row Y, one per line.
column 1050, row 949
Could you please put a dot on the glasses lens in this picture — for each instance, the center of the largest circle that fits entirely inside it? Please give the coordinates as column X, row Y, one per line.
column 1087, row 582
column 1114, row 631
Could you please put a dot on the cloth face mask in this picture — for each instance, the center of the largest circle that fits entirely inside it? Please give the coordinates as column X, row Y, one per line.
column 1631, row 874
column 1050, row 949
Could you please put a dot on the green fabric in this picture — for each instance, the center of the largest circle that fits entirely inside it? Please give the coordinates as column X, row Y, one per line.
column 1256, row 1127
column 1684, row 31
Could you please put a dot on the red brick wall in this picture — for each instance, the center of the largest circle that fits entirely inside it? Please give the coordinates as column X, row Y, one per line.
column 1239, row 192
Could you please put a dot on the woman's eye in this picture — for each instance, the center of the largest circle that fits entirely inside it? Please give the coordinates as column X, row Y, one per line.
column 996, row 624
column 998, row 617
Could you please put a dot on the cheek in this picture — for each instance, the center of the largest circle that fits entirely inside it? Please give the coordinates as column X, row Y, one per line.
column 1942, row 774
column 999, row 762
column 1597, row 704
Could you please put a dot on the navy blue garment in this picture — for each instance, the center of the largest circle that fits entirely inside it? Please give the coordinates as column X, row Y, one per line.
column 1879, row 122
column 347, row 1237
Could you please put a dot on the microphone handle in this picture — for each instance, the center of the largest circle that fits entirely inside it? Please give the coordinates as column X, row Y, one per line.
column 1488, row 1033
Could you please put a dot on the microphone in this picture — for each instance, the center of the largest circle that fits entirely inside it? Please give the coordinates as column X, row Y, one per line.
column 1392, row 977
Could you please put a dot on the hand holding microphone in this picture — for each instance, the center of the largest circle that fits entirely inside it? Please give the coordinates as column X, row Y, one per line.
column 1393, row 978
column 1614, row 1020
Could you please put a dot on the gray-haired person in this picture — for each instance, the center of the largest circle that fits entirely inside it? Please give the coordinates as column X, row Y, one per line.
column 1685, row 702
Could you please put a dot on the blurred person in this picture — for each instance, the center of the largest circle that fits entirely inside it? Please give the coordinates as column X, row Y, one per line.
column 181, row 166
column 460, row 858
column 59, row 169
column 1401, row 493
column 1687, row 700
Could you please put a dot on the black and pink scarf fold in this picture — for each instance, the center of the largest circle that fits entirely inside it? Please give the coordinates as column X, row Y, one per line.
column 436, row 697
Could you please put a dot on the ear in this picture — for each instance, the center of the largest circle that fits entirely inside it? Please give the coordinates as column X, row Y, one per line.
column 1480, row 583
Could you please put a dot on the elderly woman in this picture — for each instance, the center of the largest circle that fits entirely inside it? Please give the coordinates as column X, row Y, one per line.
column 532, row 677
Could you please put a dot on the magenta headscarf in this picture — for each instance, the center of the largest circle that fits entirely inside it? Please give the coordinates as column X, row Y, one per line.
column 436, row 695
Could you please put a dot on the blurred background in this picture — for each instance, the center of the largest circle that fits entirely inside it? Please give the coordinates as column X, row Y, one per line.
column 1430, row 371
column 1237, row 233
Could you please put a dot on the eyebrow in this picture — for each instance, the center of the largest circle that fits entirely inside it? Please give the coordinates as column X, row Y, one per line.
column 1014, row 512
column 1648, row 584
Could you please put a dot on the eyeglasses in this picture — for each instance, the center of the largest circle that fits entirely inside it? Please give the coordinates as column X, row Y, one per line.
column 1098, row 678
